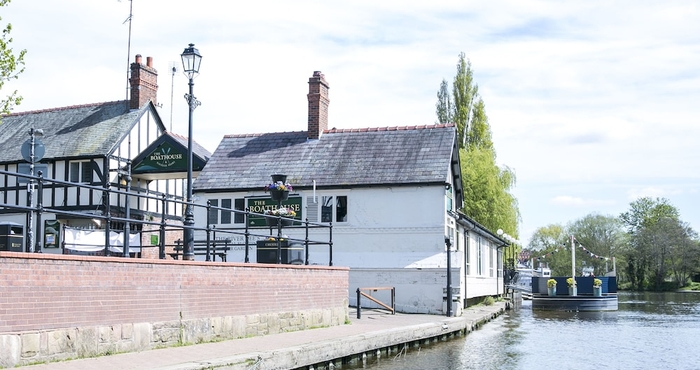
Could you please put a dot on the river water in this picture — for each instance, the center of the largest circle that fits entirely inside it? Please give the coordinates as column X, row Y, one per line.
column 649, row 331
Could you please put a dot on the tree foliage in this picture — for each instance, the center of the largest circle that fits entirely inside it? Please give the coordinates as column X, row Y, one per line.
column 11, row 66
column 645, row 241
column 487, row 187
column 653, row 248
column 663, row 251
column 599, row 236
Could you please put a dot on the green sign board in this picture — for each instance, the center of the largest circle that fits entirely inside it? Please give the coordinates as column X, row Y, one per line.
column 260, row 205
column 165, row 157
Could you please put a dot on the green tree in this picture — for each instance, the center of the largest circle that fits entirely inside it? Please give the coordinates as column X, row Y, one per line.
column 486, row 186
column 443, row 107
column 11, row 66
column 486, row 196
column 599, row 235
column 546, row 249
column 672, row 252
column 464, row 92
column 546, row 238
column 647, row 250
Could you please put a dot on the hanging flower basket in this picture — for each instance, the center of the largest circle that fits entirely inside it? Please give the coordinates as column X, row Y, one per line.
column 272, row 221
column 279, row 188
column 285, row 214
column 279, row 194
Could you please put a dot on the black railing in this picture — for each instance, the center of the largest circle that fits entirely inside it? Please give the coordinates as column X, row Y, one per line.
column 115, row 214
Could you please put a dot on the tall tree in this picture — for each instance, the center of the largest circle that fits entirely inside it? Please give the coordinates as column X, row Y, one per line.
column 443, row 107
column 487, row 186
column 11, row 66
column 464, row 93
column 646, row 253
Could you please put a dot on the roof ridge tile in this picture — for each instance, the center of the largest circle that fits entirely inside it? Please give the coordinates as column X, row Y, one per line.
column 17, row 114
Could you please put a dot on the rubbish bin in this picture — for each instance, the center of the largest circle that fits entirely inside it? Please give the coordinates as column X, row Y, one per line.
column 11, row 237
column 291, row 254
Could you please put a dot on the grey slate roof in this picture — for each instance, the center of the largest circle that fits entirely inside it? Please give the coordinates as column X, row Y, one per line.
column 197, row 149
column 78, row 131
column 84, row 130
column 357, row 157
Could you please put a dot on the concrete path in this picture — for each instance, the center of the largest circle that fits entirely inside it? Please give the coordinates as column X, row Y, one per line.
column 376, row 329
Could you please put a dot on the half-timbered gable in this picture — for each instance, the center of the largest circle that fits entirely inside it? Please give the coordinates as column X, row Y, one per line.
column 84, row 151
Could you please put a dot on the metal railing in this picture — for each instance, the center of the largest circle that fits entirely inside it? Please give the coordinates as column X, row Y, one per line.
column 110, row 214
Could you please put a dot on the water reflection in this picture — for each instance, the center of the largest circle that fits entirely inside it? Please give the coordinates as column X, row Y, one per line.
column 649, row 331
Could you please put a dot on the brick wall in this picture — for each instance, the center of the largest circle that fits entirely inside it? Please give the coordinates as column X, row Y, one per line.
column 43, row 291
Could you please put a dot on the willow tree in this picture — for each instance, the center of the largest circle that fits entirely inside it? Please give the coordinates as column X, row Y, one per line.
column 11, row 66
column 487, row 197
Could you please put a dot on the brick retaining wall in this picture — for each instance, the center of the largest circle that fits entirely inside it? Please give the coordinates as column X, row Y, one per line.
column 61, row 306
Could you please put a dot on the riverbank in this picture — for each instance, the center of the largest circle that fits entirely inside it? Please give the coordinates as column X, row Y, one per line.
column 376, row 334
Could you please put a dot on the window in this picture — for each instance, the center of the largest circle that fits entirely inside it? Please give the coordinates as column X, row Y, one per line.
column 479, row 256
column 448, row 197
column 219, row 208
column 334, row 208
column 492, row 259
column 226, row 215
column 213, row 211
column 239, row 204
column 467, row 253
column 81, row 172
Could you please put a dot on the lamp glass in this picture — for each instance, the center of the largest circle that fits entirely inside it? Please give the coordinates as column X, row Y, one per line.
column 191, row 60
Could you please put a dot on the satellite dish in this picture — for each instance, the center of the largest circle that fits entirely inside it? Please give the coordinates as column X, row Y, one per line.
column 39, row 150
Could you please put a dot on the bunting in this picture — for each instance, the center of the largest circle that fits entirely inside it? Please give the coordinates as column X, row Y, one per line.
column 580, row 246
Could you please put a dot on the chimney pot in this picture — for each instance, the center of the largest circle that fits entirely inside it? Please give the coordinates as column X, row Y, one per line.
column 318, row 105
column 144, row 83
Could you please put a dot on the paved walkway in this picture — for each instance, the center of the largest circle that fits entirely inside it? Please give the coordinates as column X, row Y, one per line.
column 376, row 329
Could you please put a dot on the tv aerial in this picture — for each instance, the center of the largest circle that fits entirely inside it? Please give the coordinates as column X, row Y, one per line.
column 173, row 70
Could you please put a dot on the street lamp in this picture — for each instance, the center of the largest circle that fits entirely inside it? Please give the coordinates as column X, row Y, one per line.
column 33, row 157
column 448, row 245
column 191, row 59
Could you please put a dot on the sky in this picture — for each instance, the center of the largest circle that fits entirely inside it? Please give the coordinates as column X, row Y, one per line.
column 593, row 104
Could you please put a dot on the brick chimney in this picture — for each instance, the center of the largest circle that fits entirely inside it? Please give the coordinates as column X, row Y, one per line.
column 318, row 105
column 144, row 83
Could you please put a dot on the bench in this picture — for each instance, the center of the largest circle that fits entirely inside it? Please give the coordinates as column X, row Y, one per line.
column 200, row 249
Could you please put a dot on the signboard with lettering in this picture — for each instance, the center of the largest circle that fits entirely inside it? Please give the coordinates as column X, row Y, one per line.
column 164, row 157
column 260, row 205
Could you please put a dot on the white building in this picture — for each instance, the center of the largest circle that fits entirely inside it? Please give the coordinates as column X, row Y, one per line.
column 390, row 193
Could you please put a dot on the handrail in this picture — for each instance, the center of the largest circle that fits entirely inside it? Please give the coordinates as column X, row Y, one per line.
column 360, row 293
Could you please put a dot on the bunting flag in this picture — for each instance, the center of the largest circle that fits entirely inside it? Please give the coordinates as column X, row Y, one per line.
column 580, row 246
column 589, row 252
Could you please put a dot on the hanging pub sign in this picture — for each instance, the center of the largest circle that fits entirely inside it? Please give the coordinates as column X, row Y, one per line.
column 165, row 155
column 262, row 204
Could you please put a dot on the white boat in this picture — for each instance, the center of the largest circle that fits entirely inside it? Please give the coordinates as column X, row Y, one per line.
column 522, row 279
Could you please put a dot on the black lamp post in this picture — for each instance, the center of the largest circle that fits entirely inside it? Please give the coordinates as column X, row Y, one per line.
column 191, row 59
column 33, row 134
column 448, row 245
